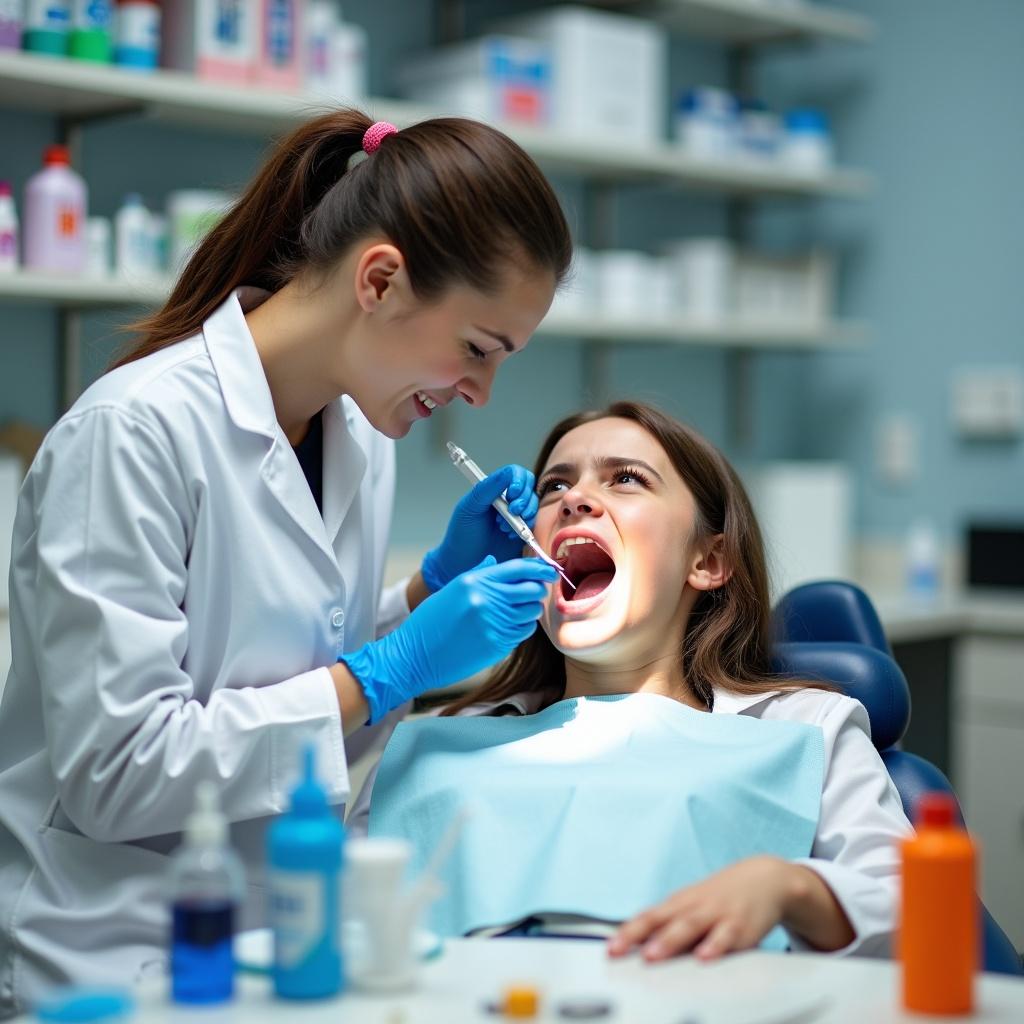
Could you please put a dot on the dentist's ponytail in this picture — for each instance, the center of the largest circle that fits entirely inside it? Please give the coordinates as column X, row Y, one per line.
column 459, row 199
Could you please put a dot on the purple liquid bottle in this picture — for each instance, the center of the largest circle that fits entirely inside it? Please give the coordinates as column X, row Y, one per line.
column 54, row 216
column 11, row 14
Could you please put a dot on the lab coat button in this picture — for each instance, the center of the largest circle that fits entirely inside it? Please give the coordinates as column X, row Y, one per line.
column 337, row 618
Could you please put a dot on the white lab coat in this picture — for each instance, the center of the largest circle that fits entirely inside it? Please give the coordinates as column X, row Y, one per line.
column 856, row 846
column 176, row 597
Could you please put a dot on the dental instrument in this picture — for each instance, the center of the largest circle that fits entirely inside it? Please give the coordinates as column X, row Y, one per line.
column 472, row 471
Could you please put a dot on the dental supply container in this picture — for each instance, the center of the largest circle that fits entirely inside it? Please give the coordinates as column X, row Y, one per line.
column 53, row 216
column 47, row 24
column 215, row 39
column 133, row 239
column 11, row 23
column 191, row 213
column 137, row 36
column 207, row 885
column 8, row 230
column 938, row 939
column 923, row 572
column 304, row 848
column 280, row 44
column 92, row 30
column 707, row 123
column 807, row 142
column 97, row 245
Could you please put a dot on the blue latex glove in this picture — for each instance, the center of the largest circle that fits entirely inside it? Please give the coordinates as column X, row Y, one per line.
column 471, row 623
column 476, row 529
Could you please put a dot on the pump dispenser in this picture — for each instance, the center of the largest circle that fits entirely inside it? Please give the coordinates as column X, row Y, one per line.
column 304, row 856
column 207, row 884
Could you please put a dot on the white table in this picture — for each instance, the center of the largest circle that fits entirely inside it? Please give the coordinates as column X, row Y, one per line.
column 749, row 988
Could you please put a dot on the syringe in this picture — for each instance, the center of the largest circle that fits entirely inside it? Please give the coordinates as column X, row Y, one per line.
column 473, row 472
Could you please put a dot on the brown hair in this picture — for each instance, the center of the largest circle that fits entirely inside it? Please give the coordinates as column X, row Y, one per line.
column 727, row 642
column 459, row 199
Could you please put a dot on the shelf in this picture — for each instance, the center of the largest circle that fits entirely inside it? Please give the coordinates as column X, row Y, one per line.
column 75, row 89
column 76, row 293
column 751, row 22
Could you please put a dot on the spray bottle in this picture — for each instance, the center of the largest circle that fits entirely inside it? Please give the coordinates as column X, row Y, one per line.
column 304, row 854
column 207, row 884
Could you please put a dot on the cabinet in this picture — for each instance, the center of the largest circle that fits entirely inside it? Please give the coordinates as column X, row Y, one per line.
column 80, row 94
column 988, row 758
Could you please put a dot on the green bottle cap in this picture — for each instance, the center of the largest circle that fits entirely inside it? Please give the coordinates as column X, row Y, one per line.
column 91, row 44
column 43, row 40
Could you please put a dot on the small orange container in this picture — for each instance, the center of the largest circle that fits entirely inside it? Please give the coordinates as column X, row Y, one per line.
column 938, row 936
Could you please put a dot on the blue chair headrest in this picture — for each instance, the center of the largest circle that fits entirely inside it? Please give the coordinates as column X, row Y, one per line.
column 864, row 673
column 829, row 610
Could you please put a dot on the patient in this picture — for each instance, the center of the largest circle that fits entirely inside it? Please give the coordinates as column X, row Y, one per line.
column 634, row 769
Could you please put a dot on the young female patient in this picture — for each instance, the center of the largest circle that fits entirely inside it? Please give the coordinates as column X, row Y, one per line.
column 638, row 751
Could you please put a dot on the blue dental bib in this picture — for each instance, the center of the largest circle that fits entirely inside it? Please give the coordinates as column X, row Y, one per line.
column 595, row 806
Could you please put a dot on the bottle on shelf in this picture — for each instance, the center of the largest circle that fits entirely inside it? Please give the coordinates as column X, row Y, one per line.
column 137, row 34
column 304, row 859
column 97, row 243
column 8, row 230
column 207, row 885
column 54, row 216
column 11, row 22
column 47, row 25
column 133, row 239
column 92, row 25
column 938, row 935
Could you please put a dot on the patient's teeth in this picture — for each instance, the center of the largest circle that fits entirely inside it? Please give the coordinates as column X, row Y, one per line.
column 426, row 400
column 569, row 542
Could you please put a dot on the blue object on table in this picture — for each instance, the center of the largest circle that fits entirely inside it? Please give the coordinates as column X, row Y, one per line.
column 80, row 1003
column 830, row 630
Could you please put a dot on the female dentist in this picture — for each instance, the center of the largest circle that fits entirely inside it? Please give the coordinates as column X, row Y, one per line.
column 199, row 544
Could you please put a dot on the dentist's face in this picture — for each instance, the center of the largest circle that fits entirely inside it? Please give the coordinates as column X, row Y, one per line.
column 615, row 512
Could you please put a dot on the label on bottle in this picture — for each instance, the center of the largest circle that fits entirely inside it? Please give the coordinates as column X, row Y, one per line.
column 297, row 915
column 48, row 15
column 138, row 26
column 68, row 221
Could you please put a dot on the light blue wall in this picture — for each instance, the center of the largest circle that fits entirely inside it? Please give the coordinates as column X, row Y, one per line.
column 931, row 261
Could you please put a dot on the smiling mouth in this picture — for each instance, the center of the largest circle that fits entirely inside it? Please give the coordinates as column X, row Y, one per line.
column 588, row 565
column 426, row 400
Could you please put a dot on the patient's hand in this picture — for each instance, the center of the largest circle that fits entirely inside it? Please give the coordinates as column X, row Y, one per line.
column 732, row 910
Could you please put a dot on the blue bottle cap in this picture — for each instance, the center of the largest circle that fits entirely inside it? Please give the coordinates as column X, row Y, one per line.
column 80, row 1003
column 807, row 120
column 308, row 797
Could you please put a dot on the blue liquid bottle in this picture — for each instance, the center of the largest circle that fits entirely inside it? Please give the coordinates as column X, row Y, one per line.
column 304, row 853
column 207, row 884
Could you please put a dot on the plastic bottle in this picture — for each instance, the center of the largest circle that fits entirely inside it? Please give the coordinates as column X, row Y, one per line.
column 923, row 562
column 92, row 29
column 807, row 143
column 47, row 24
column 133, row 239
column 97, row 243
column 304, row 854
column 938, row 939
column 137, row 34
column 53, row 216
column 11, row 15
column 207, row 884
column 8, row 230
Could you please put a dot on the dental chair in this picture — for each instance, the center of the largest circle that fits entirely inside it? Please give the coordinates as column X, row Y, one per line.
column 831, row 631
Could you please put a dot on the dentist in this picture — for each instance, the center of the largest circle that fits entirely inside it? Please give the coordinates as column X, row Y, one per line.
column 196, row 583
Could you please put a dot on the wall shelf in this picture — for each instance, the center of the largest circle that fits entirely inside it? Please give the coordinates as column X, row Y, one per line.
column 77, row 294
column 752, row 22
column 77, row 90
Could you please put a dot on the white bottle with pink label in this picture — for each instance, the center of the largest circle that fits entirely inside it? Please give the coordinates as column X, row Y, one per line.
column 54, row 216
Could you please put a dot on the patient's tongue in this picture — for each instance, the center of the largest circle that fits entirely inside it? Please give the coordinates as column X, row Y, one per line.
column 592, row 584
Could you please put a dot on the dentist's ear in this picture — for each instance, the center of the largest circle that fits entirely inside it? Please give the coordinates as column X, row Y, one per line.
column 710, row 569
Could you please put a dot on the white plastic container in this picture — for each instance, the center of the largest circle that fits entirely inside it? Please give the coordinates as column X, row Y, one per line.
column 496, row 78
column 348, row 82
column 609, row 73
column 8, row 235
column 318, row 31
column 807, row 146
column 624, row 282
column 53, row 216
column 215, row 39
column 701, row 273
column 133, row 247
column 707, row 124
column 98, row 263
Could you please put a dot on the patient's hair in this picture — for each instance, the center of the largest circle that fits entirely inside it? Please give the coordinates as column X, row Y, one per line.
column 727, row 642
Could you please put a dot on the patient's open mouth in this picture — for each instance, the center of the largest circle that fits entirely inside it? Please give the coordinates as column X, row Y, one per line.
column 587, row 564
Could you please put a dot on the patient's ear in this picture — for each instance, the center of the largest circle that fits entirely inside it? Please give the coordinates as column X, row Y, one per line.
column 710, row 569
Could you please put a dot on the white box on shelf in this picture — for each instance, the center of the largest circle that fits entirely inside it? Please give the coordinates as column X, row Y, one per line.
column 213, row 39
column 701, row 274
column 609, row 73
column 804, row 509
column 496, row 77
column 790, row 288
column 11, row 472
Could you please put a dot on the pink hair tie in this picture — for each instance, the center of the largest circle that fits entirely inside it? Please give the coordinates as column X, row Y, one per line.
column 376, row 134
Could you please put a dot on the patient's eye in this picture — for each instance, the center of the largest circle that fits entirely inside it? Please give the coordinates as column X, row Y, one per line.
column 549, row 484
column 631, row 475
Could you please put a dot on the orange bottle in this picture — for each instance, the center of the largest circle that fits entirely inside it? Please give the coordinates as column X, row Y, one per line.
column 938, row 938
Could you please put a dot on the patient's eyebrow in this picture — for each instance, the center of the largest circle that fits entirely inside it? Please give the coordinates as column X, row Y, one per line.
column 603, row 462
column 506, row 342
